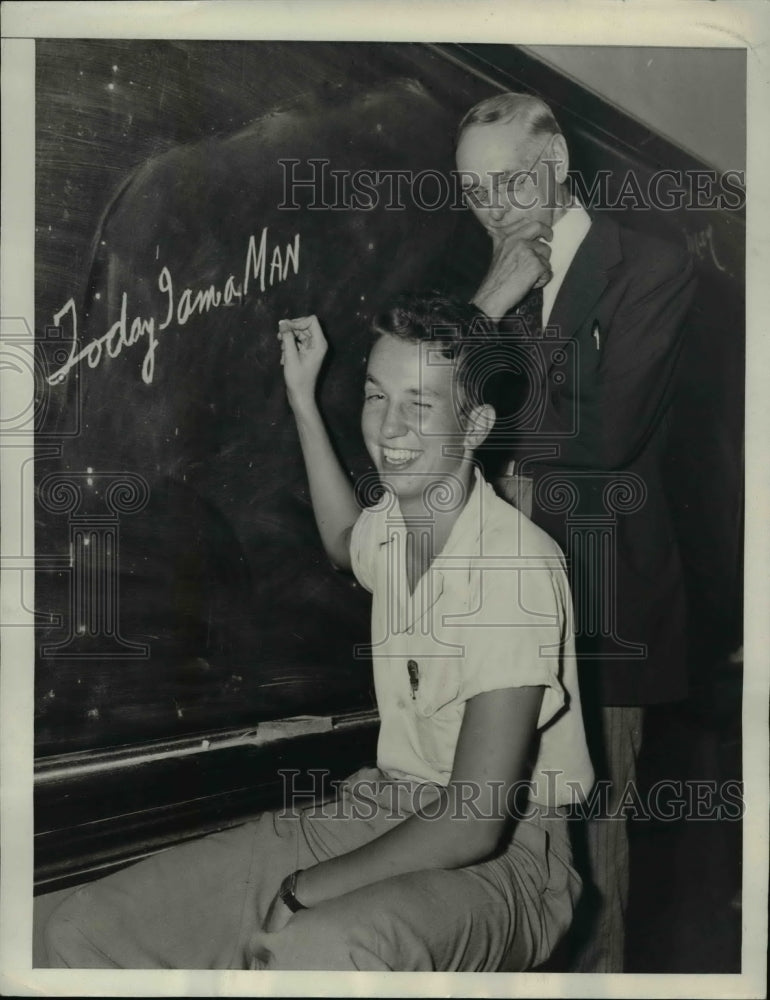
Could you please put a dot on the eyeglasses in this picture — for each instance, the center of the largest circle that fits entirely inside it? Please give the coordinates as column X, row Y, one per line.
column 510, row 183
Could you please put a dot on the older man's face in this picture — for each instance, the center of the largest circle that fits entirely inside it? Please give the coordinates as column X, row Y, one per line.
column 504, row 176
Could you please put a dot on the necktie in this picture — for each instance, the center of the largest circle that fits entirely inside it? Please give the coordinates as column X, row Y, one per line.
column 530, row 406
column 530, row 309
column 523, row 397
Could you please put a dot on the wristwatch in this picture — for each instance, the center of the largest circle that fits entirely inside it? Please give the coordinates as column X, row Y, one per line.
column 287, row 890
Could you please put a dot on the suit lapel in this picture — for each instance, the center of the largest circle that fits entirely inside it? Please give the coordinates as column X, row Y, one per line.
column 586, row 277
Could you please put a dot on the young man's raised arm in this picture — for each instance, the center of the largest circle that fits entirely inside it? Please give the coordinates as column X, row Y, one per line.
column 303, row 347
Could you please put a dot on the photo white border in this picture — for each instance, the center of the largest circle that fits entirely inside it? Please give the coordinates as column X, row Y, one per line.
column 737, row 24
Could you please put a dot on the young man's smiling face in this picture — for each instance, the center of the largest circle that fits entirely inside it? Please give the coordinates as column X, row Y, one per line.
column 411, row 420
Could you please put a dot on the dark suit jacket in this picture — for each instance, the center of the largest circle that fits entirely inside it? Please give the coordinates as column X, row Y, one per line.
column 596, row 459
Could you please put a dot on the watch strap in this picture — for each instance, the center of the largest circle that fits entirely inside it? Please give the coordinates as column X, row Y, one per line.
column 288, row 890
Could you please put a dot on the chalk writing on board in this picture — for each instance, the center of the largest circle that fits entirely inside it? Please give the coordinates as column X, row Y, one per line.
column 178, row 306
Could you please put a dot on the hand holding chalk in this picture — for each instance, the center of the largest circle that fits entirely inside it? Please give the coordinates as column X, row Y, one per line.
column 303, row 348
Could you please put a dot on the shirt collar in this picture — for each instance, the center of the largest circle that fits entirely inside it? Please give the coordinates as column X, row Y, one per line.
column 568, row 233
column 466, row 531
column 464, row 538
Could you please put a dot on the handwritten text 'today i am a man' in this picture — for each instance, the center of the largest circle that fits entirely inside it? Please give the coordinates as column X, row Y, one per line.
column 177, row 307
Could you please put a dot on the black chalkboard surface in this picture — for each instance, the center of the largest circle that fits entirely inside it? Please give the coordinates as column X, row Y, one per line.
column 223, row 609
column 181, row 590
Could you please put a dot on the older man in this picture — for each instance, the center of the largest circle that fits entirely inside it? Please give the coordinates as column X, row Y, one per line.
column 616, row 299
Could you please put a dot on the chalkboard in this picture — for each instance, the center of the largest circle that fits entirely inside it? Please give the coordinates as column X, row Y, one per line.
column 181, row 587
column 198, row 594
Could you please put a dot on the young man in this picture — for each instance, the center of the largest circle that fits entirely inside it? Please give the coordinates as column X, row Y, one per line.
column 424, row 862
column 617, row 299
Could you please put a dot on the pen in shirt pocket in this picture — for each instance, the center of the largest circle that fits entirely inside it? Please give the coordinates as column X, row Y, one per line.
column 414, row 676
column 596, row 333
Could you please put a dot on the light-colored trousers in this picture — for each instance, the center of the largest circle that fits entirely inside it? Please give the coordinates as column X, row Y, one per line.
column 198, row 905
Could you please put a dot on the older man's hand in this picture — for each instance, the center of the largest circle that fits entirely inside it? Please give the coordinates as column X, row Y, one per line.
column 520, row 262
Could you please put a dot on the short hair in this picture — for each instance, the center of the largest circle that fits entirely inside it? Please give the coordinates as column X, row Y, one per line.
column 529, row 112
column 482, row 372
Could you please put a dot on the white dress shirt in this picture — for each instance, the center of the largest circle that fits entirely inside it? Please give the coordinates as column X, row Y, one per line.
column 568, row 233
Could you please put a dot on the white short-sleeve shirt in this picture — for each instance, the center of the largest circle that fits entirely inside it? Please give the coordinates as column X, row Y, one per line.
column 492, row 611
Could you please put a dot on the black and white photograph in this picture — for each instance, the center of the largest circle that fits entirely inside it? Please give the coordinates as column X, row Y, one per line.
column 385, row 529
